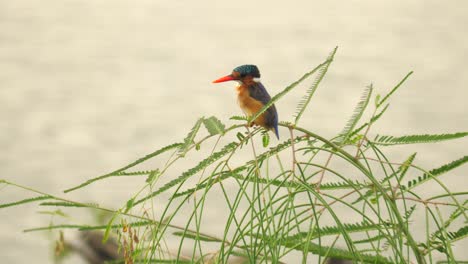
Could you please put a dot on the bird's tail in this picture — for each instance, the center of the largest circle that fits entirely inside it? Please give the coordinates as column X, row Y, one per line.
column 275, row 129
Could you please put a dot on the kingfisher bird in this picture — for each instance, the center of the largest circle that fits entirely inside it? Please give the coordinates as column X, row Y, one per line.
column 252, row 96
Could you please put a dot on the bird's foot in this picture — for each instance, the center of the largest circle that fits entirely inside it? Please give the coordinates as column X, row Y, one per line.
column 252, row 124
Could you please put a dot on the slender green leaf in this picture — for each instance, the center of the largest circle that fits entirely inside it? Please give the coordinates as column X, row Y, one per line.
column 54, row 213
column 265, row 139
column 129, row 204
column 109, row 227
column 52, row 227
column 68, row 204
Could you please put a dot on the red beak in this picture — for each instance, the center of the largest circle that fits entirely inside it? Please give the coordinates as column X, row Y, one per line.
column 224, row 79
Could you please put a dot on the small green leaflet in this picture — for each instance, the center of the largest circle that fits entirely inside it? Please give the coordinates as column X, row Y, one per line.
column 152, row 176
column 190, row 137
column 129, row 205
column 109, row 227
column 214, row 126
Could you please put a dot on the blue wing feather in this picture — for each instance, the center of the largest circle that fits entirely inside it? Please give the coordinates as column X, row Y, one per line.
column 259, row 93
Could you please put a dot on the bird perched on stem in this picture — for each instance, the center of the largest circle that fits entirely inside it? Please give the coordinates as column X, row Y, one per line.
column 252, row 96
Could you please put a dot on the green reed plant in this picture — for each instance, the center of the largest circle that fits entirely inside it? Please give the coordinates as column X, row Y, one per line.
column 305, row 196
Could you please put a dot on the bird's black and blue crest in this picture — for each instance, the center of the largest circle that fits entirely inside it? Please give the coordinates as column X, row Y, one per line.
column 248, row 69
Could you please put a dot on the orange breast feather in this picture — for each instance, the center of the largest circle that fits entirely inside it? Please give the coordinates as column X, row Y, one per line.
column 249, row 105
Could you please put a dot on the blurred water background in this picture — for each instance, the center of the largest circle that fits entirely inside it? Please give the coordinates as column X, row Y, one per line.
column 88, row 86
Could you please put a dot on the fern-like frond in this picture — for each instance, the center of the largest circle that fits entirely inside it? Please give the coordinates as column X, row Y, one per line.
column 335, row 230
column 414, row 139
column 357, row 114
column 409, row 212
column 274, row 150
column 240, row 118
column 215, row 179
column 24, row 201
column 456, row 235
column 403, row 169
column 336, row 253
column 311, row 90
column 133, row 164
column 187, row 174
column 373, row 120
column 435, row 172
column 394, row 89
column 136, row 173
column 342, row 185
column 236, row 173
column 189, row 139
column 286, row 90
column 214, row 126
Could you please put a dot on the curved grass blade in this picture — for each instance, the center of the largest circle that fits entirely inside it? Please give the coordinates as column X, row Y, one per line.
column 196, row 236
column 335, row 230
column 47, row 228
column 109, row 227
column 68, row 204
